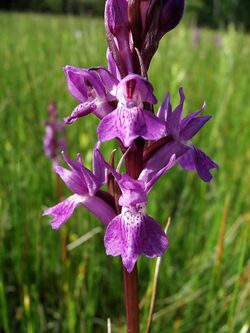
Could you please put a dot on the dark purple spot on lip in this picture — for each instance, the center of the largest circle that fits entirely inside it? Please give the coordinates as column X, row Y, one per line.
column 130, row 85
column 87, row 82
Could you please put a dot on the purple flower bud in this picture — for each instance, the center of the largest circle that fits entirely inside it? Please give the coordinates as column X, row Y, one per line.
column 170, row 15
column 135, row 21
column 116, row 12
column 157, row 19
column 118, row 34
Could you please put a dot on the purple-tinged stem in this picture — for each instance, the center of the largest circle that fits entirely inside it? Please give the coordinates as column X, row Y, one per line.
column 134, row 165
column 130, row 281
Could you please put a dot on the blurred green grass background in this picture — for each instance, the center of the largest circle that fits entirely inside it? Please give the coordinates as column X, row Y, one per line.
column 204, row 278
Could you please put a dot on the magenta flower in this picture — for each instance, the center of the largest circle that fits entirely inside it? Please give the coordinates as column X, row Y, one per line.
column 93, row 89
column 54, row 138
column 99, row 91
column 85, row 185
column 130, row 120
column 179, row 133
column 133, row 233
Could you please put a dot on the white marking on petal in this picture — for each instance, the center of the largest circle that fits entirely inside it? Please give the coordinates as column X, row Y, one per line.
column 133, row 216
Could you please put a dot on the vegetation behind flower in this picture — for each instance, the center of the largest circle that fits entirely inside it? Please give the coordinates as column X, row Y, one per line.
column 204, row 281
column 207, row 12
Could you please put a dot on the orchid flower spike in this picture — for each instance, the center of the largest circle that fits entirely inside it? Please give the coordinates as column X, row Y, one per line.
column 54, row 138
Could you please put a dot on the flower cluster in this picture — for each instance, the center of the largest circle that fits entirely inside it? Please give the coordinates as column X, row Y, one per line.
column 122, row 97
column 54, row 138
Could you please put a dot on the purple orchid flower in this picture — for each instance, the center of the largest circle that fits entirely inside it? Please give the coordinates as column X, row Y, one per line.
column 93, row 89
column 53, row 140
column 96, row 89
column 179, row 133
column 130, row 120
column 133, row 233
column 84, row 184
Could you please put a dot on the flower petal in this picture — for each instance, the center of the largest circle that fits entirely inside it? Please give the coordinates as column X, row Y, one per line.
column 173, row 123
column 191, row 116
column 81, row 110
column 98, row 166
column 133, row 191
column 102, row 210
column 80, row 180
column 165, row 108
column 193, row 127
column 129, row 124
column 161, row 159
column 125, row 236
column 186, row 161
column 63, row 210
column 155, row 176
column 107, row 128
column 112, row 67
column 83, row 83
column 156, row 242
column 113, row 237
column 192, row 124
column 73, row 180
column 199, row 161
column 75, row 82
column 103, row 164
column 135, row 87
column 153, row 128
column 203, row 165
column 103, row 108
column 131, row 234
column 108, row 79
